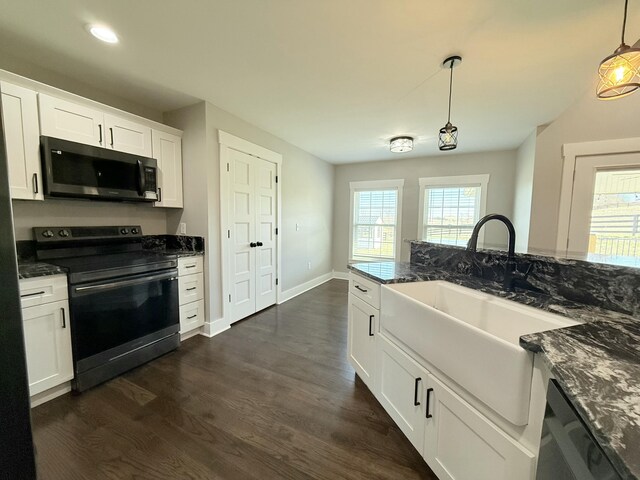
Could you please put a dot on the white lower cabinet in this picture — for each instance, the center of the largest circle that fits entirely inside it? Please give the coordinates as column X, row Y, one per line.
column 361, row 338
column 401, row 390
column 460, row 443
column 191, row 293
column 47, row 339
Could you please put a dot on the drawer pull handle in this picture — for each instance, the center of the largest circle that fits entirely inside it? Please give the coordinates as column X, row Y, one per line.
column 371, row 325
column 361, row 289
column 191, row 288
column 415, row 392
column 429, row 390
column 32, row 294
column 190, row 266
column 64, row 318
column 192, row 316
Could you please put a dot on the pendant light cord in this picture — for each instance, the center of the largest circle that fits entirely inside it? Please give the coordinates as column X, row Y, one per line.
column 624, row 21
column 450, row 88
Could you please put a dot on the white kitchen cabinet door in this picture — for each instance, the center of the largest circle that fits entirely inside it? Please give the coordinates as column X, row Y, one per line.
column 167, row 150
column 47, row 340
column 127, row 136
column 401, row 389
column 71, row 121
column 361, row 339
column 461, row 444
column 22, row 139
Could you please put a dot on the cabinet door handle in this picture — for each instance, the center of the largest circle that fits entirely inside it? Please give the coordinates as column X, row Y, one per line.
column 371, row 325
column 32, row 294
column 429, row 390
column 34, row 180
column 415, row 392
column 191, row 288
column 100, row 133
column 361, row 289
column 192, row 316
column 111, row 133
column 64, row 318
column 159, row 194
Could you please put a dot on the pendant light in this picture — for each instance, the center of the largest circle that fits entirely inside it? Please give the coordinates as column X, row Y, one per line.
column 401, row 144
column 620, row 72
column 448, row 137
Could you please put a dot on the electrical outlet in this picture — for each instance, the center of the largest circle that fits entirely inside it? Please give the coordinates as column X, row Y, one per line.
column 183, row 228
column 309, row 265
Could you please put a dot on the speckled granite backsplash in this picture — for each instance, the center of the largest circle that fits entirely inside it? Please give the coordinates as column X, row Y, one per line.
column 605, row 286
column 183, row 243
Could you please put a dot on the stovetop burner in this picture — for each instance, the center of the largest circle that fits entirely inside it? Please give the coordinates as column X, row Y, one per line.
column 99, row 253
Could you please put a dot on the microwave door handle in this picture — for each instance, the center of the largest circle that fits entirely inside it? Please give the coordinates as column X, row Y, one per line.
column 141, row 178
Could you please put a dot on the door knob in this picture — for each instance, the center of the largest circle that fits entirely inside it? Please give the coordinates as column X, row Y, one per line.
column 253, row 245
column 259, row 244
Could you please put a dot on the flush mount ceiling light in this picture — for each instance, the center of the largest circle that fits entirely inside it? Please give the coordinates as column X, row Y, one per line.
column 620, row 72
column 401, row 144
column 103, row 33
column 448, row 136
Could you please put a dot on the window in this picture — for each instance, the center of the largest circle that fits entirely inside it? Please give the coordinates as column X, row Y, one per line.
column 375, row 220
column 450, row 207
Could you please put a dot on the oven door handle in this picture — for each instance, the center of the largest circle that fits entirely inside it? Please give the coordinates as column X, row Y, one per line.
column 125, row 283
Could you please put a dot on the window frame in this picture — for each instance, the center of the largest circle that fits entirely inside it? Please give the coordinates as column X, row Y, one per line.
column 481, row 181
column 368, row 186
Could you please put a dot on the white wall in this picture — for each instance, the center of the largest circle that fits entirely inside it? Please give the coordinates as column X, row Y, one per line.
column 499, row 165
column 589, row 119
column 523, row 191
column 53, row 212
column 307, row 197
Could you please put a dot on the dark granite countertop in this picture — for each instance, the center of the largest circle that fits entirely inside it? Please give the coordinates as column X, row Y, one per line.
column 38, row 269
column 596, row 363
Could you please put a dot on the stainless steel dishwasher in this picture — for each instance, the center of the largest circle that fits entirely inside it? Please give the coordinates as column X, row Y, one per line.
column 568, row 451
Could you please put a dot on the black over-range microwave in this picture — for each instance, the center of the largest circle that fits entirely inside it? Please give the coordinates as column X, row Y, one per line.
column 83, row 171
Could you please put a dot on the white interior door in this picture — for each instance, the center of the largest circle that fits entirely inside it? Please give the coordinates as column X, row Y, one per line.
column 242, row 208
column 604, row 225
column 266, row 211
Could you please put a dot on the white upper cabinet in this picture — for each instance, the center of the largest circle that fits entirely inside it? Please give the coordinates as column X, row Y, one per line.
column 22, row 138
column 167, row 150
column 71, row 121
column 127, row 136
column 79, row 123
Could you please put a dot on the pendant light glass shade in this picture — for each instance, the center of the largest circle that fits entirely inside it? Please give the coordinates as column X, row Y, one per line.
column 448, row 135
column 401, row 144
column 620, row 73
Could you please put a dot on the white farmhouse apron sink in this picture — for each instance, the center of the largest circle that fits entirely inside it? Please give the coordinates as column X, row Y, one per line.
column 471, row 337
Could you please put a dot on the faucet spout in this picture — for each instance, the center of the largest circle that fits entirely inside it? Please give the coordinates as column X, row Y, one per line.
column 472, row 245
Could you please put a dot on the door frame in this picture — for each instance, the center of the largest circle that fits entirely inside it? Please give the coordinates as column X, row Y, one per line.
column 229, row 142
column 571, row 154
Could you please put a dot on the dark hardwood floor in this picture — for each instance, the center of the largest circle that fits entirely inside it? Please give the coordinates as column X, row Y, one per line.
column 274, row 397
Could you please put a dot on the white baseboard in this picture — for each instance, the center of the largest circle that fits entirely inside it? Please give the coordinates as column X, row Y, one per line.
column 215, row 327
column 306, row 286
column 340, row 275
column 43, row 397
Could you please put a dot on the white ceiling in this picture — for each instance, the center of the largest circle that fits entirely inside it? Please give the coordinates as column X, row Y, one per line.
column 337, row 78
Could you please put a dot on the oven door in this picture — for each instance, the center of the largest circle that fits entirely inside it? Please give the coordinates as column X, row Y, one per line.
column 114, row 317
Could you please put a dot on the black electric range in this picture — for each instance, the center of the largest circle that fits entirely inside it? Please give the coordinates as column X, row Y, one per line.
column 123, row 299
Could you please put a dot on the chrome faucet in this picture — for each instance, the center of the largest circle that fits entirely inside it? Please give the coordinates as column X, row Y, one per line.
column 510, row 269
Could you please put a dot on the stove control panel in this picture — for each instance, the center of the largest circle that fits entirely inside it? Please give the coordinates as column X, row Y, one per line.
column 66, row 234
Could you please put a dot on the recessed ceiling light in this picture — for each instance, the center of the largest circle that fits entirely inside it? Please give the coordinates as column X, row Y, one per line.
column 103, row 33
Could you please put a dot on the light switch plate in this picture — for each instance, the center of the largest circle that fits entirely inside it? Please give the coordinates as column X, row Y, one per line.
column 182, row 228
